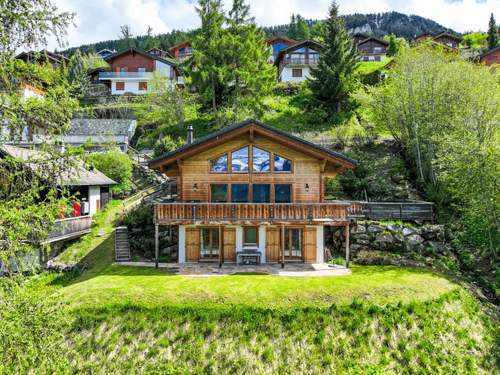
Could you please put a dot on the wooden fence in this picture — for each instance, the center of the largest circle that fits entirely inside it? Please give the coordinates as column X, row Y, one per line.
column 69, row 228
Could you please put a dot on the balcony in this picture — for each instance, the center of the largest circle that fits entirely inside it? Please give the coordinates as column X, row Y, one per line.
column 311, row 60
column 255, row 213
column 69, row 228
column 125, row 75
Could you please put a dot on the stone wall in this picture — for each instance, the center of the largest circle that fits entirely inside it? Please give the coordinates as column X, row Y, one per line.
column 389, row 237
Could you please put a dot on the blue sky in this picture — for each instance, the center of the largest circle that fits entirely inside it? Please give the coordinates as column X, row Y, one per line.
column 98, row 20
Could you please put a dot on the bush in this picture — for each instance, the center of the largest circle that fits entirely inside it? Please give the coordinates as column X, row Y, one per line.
column 117, row 166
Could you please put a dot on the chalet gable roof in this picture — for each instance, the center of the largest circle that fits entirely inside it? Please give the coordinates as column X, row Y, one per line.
column 252, row 126
column 490, row 52
column 280, row 37
column 140, row 52
column 305, row 43
column 372, row 38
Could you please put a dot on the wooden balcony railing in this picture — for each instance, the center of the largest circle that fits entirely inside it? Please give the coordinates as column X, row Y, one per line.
column 69, row 228
column 227, row 213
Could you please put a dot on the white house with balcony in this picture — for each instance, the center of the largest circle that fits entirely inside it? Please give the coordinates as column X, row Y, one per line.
column 133, row 71
column 294, row 63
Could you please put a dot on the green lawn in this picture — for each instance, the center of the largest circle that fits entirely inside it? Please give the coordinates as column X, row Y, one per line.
column 141, row 285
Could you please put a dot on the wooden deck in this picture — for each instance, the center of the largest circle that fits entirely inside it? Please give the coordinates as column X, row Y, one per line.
column 69, row 228
column 254, row 213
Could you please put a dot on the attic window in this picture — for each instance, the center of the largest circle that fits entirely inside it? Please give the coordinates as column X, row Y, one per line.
column 282, row 164
column 239, row 160
column 219, row 164
column 260, row 160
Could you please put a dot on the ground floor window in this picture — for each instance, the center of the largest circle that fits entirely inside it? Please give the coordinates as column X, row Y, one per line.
column 250, row 236
column 209, row 243
column 283, row 193
column 297, row 73
column 143, row 86
column 120, row 86
column 293, row 242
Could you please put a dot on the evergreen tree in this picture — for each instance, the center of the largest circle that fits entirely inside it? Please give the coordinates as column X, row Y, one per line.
column 292, row 28
column 302, row 28
column 492, row 32
column 333, row 78
column 77, row 74
column 393, row 48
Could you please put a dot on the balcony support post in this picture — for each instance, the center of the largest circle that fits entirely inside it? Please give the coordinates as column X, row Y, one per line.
column 157, row 245
column 282, row 246
column 347, row 245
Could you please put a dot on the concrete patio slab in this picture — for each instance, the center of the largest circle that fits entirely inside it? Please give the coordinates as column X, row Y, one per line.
column 213, row 270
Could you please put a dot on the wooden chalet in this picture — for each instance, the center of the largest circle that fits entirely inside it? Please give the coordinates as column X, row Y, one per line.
column 294, row 62
column 444, row 38
column 277, row 43
column 251, row 191
column 181, row 51
column 372, row 49
column 491, row 57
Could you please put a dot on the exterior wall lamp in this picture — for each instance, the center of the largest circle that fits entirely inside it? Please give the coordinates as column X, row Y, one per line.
column 195, row 187
column 307, row 188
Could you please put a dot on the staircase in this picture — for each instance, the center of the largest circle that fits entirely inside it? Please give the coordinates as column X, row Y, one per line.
column 122, row 246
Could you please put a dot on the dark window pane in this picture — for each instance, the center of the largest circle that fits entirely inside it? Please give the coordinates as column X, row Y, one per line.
column 239, row 193
column 250, row 235
column 209, row 243
column 205, row 242
column 239, row 160
column 283, row 193
column 260, row 160
column 293, row 242
column 261, row 193
column 218, row 193
column 282, row 164
column 220, row 164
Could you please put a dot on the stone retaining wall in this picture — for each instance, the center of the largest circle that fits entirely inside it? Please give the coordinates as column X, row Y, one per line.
column 405, row 238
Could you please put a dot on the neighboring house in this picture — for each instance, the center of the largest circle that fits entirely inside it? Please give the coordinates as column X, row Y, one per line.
column 372, row 49
column 358, row 37
column 105, row 53
column 159, row 53
column 132, row 70
column 251, row 192
column 491, row 57
column 181, row 51
column 42, row 57
column 294, row 62
column 91, row 185
column 277, row 43
column 446, row 39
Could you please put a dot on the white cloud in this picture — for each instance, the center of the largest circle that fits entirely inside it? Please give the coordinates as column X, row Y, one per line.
column 99, row 20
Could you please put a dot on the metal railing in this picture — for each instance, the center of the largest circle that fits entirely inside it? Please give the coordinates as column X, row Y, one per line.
column 69, row 228
column 108, row 75
column 302, row 60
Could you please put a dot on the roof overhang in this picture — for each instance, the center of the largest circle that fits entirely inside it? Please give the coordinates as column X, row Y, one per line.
column 252, row 127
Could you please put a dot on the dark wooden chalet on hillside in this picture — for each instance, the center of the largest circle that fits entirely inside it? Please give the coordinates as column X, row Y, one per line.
column 251, row 190
column 372, row 49
column 444, row 38
column 491, row 57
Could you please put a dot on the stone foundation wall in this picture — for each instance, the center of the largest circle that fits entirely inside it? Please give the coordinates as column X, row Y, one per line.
column 396, row 238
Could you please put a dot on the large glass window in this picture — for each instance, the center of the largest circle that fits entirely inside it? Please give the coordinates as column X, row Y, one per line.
column 209, row 243
column 283, row 193
column 261, row 193
column 293, row 242
column 239, row 160
column 219, row 164
column 260, row 160
column 218, row 193
column 281, row 164
column 250, row 236
column 239, row 193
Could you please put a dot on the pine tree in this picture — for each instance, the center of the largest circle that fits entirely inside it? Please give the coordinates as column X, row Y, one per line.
column 302, row 29
column 333, row 79
column 393, row 48
column 250, row 75
column 126, row 36
column 492, row 32
column 77, row 74
column 292, row 28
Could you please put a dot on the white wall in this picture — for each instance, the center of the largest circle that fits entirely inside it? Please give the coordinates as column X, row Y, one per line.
column 182, row 244
column 320, row 244
column 131, row 86
column 94, row 196
column 286, row 74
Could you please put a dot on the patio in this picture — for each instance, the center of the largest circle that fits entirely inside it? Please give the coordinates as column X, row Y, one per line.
column 213, row 270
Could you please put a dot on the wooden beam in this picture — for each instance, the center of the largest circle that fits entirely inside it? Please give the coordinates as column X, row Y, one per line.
column 221, row 246
column 323, row 165
column 250, row 135
column 157, row 245
column 347, row 245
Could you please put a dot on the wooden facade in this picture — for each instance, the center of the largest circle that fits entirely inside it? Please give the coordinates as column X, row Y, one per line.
column 215, row 227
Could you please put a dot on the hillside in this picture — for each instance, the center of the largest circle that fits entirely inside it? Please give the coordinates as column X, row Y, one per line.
column 377, row 24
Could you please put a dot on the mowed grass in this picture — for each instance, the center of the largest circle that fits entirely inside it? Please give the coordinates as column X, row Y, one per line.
column 147, row 286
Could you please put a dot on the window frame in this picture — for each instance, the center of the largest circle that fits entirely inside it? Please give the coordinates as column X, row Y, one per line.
column 212, row 255
column 288, row 252
column 270, row 185
column 295, row 70
column 249, row 162
column 271, row 159
column 143, row 86
column 227, row 155
column 227, row 193
column 122, row 83
column 248, row 192
column 291, row 193
column 245, row 243
column 291, row 166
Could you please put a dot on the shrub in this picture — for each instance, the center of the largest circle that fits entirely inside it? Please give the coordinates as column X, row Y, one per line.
column 117, row 166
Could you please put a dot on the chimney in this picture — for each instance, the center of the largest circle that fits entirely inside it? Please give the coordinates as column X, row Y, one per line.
column 189, row 138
